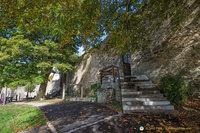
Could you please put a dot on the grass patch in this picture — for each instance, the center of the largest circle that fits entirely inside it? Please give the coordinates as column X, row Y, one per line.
column 95, row 86
column 16, row 118
column 115, row 106
column 93, row 96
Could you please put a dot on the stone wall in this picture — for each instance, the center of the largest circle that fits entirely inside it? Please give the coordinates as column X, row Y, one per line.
column 177, row 53
column 52, row 86
column 112, row 88
column 169, row 52
column 87, row 72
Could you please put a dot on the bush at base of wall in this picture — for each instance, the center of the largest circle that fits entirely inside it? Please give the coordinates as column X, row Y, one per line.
column 174, row 88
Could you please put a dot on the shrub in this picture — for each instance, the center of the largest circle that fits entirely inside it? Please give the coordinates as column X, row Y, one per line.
column 93, row 96
column 174, row 88
column 95, row 86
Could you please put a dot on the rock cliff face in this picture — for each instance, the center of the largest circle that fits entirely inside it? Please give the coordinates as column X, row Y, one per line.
column 169, row 52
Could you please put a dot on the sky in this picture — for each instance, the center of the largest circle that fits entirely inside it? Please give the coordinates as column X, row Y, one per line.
column 81, row 49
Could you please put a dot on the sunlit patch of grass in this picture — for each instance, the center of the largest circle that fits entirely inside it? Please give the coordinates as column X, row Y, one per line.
column 115, row 106
column 15, row 118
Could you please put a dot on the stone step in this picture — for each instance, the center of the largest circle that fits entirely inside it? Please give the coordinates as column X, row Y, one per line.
column 142, row 77
column 138, row 82
column 142, row 95
column 150, row 103
column 152, row 95
column 129, row 87
column 127, row 83
column 143, row 108
column 157, row 103
column 144, row 82
column 151, row 111
column 148, row 89
column 139, row 94
column 134, row 80
column 132, row 91
column 127, row 77
column 145, row 85
column 145, row 90
column 144, row 99
column 136, row 86
column 133, row 103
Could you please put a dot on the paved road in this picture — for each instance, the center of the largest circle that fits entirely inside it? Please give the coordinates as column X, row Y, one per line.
column 83, row 117
column 76, row 117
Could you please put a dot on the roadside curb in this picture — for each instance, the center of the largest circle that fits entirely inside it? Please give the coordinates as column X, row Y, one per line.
column 51, row 127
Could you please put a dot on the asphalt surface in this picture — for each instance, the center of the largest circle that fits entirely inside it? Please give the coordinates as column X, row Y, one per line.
column 83, row 117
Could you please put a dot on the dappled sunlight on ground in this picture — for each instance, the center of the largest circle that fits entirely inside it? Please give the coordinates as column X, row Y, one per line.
column 94, row 117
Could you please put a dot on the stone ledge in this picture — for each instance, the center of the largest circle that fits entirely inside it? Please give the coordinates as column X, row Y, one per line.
column 79, row 99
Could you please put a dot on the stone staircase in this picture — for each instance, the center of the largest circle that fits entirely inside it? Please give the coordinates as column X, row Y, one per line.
column 140, row 95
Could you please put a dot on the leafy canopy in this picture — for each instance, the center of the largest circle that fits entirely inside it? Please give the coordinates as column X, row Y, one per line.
column 128, row 23
column 39, row 35
column 25, row 62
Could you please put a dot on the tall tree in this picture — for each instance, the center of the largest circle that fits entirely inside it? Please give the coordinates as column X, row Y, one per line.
column 24, row 61
column 55, row 28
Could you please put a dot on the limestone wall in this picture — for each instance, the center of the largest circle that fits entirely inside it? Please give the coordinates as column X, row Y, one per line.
column 52, row 85
column 87, row 72
column 169, row 52
column 177, row 53
column 19, row 91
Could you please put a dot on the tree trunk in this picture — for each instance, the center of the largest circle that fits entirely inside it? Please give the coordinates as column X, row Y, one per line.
column 5, row 95
column 27, row 96
column 42, row 90
column 64, row 75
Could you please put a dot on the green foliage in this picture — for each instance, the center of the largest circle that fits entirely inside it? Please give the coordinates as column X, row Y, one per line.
column 96, row 86
column 17, row 118
column 51, row 77
column 94, row 96
column 174, row 88
column 25, row 62
column 115, row 106
column 75, row 22
column 29, row 87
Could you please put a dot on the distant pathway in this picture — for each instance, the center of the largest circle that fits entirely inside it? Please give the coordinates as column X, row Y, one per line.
column 36, row 104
